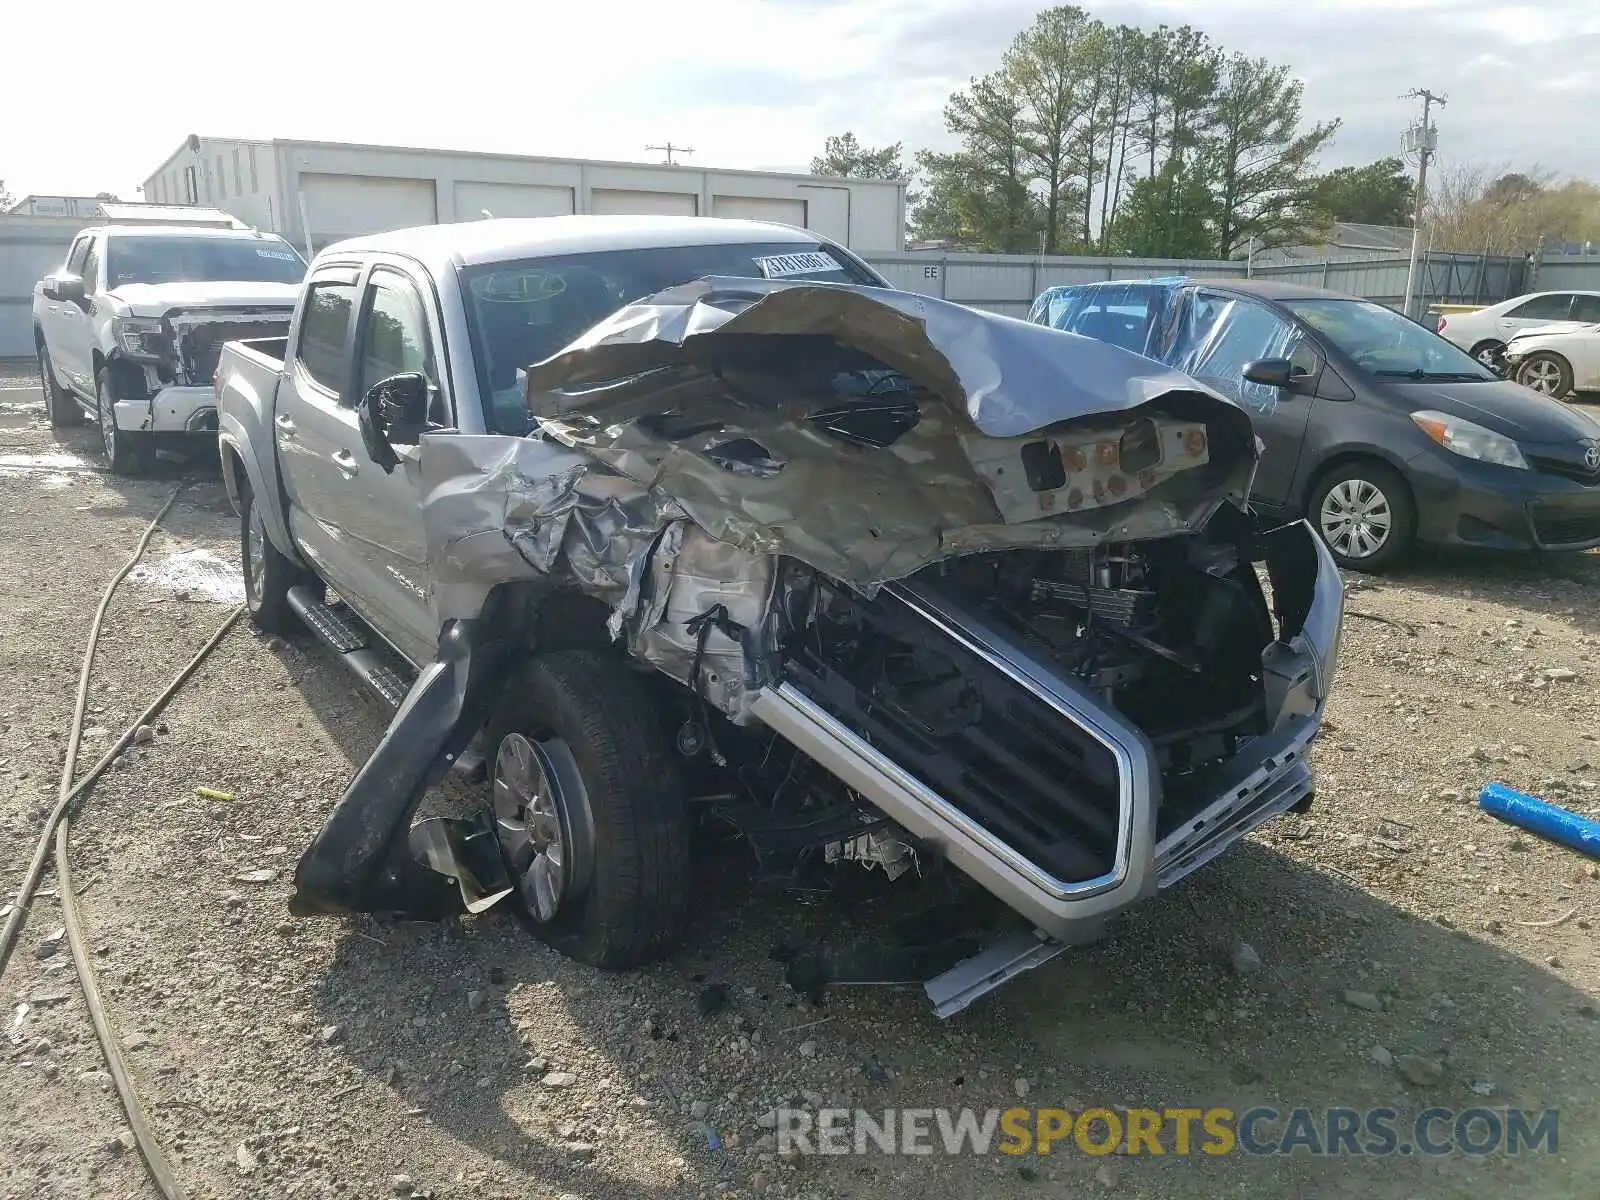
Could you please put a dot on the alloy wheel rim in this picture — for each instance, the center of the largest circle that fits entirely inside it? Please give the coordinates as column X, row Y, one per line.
column 1542, row 375
column 256, row 554
column 1356, row 518
column 108, row 426
column 1487, row 356
column 537, row 792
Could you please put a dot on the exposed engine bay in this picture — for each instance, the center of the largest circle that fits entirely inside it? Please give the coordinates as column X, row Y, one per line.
column 186, row 350
column 1168, row 633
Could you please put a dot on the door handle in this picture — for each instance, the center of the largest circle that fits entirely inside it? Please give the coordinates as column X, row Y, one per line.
column 346, row 462
column 285, row 425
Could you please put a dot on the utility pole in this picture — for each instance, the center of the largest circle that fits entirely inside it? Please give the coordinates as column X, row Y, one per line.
column 1423, row 139
column 671, row 150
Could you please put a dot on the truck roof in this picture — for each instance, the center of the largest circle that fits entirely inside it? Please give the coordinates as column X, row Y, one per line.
column 498, row 239
column 208, row 231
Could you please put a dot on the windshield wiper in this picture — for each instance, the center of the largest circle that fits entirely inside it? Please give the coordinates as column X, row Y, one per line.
column 1419, row 373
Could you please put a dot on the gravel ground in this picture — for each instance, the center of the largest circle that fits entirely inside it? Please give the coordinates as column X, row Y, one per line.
column 284, row 1057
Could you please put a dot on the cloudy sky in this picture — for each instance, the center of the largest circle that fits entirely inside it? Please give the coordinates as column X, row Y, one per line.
column 100, row 94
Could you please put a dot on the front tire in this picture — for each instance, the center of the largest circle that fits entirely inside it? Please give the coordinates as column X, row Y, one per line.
column 590, row 810
column 60, row 405
column 127, row 453
column 1546, row 373
column 1364, row 511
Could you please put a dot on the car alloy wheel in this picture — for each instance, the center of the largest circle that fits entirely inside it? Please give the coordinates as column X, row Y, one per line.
column 256, row 558
column 1356, row 518
column 1543, row 375
column 541, row 815
column 108, row 424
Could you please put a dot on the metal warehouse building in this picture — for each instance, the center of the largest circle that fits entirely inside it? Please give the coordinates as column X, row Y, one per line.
column 315, row 193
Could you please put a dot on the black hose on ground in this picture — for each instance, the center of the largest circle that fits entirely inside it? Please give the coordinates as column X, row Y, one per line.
column 58, row 826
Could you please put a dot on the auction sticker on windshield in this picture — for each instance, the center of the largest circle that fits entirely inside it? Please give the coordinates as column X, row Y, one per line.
column 281, row 255
column 815, row 262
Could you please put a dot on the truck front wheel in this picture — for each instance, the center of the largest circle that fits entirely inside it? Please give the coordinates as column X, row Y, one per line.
column 589, row 810
column 127, row 453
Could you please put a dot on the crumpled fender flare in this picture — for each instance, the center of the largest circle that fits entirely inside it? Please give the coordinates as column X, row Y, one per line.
column 234, row 445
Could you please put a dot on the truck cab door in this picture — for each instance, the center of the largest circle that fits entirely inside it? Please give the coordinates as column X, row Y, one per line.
column 360, row 526
column 68, row 334
column 397, row 333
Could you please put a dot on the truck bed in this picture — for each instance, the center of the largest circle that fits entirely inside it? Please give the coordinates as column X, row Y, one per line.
column 265, row 352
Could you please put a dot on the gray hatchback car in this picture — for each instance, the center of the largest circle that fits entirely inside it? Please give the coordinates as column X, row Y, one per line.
column 1380, row 432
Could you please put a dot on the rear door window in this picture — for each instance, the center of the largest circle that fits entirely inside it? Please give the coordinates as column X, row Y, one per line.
column 1557, row 306
column 1586, row 308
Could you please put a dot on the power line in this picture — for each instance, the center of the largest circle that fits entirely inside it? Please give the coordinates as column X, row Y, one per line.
column 671, row 150
column 1423, row 138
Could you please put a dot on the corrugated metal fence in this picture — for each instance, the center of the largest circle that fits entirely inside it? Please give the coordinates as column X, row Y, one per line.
column 1007, row 283
column 31, row 247
column 1580, row 272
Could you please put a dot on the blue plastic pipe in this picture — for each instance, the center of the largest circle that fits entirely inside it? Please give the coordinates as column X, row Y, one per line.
column 1541, row 817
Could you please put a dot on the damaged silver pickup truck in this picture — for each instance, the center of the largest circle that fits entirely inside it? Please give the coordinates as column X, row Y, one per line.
column 670, row 521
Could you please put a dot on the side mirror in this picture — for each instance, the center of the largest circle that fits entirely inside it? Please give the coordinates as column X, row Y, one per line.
column 1274, row 372
column 69, row 289
column 394, row 412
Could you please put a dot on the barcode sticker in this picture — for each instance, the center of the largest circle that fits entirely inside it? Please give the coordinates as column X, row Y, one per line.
column 813, row 262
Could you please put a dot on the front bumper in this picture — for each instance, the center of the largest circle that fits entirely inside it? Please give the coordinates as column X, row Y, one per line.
column 170, row 410
column 1461, row 502
column 1269, row 776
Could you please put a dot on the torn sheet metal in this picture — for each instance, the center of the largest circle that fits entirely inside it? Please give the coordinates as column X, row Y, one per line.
column 498, row 509
column 864, row 431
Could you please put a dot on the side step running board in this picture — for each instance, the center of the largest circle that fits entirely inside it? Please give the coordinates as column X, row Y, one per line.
column 349, row 641
column 981, row 974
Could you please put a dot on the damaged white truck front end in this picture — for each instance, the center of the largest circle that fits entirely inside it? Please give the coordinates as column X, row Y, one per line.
column 945, row 585
column 168, row 338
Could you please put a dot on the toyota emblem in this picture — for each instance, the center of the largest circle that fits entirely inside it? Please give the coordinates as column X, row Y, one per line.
column 1591, row 457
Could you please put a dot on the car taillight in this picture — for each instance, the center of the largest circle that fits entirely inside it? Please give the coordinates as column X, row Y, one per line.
column 1443, row 321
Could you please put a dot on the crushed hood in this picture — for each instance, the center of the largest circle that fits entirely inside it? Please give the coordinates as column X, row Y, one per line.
column 865, row 432
column 157, row 299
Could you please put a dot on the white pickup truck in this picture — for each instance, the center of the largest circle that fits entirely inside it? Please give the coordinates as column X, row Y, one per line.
column 129, row 330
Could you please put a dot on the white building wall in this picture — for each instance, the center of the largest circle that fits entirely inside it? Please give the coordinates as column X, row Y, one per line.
column 352, row 189
column 236, row 175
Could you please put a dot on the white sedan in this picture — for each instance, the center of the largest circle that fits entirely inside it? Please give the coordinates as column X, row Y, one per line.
column 1556, row 360
column 1484, row 333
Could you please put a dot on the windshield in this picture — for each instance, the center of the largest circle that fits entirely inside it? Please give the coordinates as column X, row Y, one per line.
column 520, row 313
column 197, row 259
column 1386, row 343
